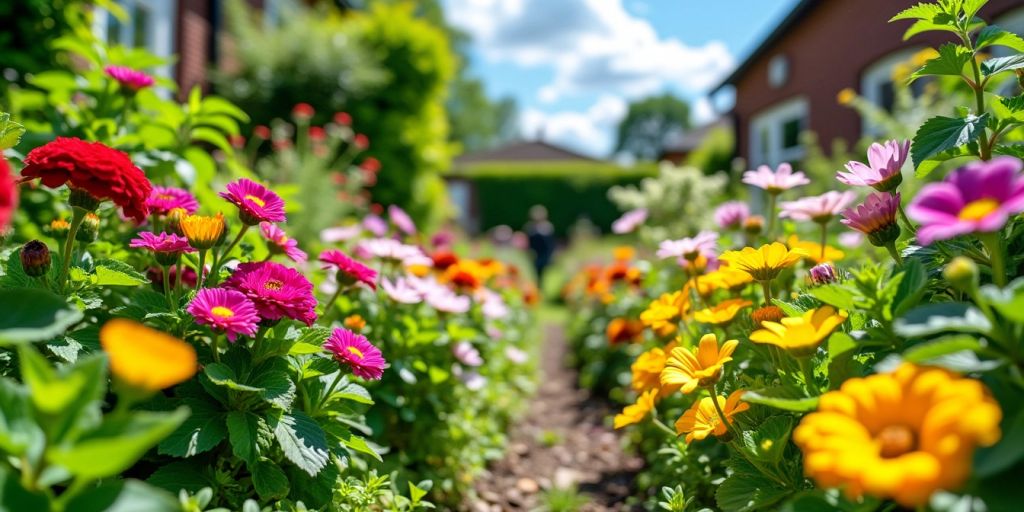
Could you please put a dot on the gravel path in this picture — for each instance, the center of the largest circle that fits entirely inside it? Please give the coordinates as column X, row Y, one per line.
column 563, row 442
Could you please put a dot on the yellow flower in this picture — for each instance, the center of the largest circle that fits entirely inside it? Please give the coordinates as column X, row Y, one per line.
column 764, row 263
column 624, row 330
column 800, row 335
column 903, row 435
column 663, row 314
column 646, row 371
column 812, row 250
column 635, row 413
column 688, row 369
column 702, row 420
column 846, row 96
column 146, row 358
column 722, row 313
column 623, row 253
column 203, row 232
column 726, row 278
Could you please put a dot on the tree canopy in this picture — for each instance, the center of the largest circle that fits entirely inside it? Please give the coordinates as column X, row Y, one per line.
column 648, row 121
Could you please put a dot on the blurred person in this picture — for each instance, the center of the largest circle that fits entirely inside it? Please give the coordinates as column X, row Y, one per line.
column 541, row 235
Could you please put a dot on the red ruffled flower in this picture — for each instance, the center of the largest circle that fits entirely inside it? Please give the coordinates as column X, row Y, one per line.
column 103, row 172
column 8, row 194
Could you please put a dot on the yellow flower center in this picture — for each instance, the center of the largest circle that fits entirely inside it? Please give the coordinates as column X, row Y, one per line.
column 979, row 209
column 222, row 312
column 895, row 440
column 261, row 203
column 356, row 352
column 273, row 284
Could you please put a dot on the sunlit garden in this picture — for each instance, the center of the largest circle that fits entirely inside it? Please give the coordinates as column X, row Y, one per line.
column 307, row 258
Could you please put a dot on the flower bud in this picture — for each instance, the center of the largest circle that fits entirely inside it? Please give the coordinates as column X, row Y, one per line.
column 173, row 220
column 767, row 314
column 884, row 236
column 35, row 258
column 89, row 229
column 824, row 273
column 83, row 199
column 961, row 273
column 203, row 232
column 753, row 225
column 59, row 228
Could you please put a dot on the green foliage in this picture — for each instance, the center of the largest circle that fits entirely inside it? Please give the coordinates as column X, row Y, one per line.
column 715, row 152
column 648, row 121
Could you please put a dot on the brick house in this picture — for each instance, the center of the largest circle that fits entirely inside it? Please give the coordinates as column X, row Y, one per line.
column 789, row 83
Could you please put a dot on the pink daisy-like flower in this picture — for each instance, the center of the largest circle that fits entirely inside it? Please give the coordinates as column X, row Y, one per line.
column 876, row 218
column 446, row 301
column 629, row 221
column 164, row 199
column 851, row 239
column 167, row 247
column 349, row 270
column 387, row 249
column 357, row 352
column 226, row 311
column 281, row 243
column 401, row 220
column 731, row 214
column 401, row 291
column 882, row 171
column 340, row 233
column 467, row 354
column 255, row 202
column 977, row 198
column 818, row 209
column 689, row 248
column 131, row 79
column 775, row 182
column 276, row 290
column 375, row 224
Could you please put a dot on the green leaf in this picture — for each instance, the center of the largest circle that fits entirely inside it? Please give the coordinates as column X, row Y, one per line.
column 117, row 444
column 354, row 392
column 415, row 493
column 10, row 132
column 55, row 392
column 304, row 348
column 951, row 61
column 18, row 430
column 742, row 492
column 999, row 64
column 273, row 378
column 1004, row 454
column 1008, row 301
column 941, row 317
column 218, row 105
column 768, row 441
column 835, row 295
column 786, row 398
column 124, row 496
column 943, row 346
column 940, row 134
column 302, row 441
column 243, row 431
column 15, row 498
column 190, row 475
column 30, row 315
column 214, row 137
column 270, row 482
column 992, row 35
column 203, row 430
column 222, row 375
column 118, row 273
column 358, row 444
column 921, row 11
column 911, row 287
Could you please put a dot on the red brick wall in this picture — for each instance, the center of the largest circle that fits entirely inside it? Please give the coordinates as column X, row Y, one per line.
column 194, row 36
column 827, row 51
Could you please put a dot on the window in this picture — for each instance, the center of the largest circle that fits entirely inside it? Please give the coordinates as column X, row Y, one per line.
column 775, row 133
column 778, row 71
column 148, row 24
column 876, row 83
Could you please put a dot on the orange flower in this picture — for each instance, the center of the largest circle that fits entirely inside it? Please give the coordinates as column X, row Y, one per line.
column 702, row 420
column 624, row 330
column 203, row 232
column 355, row 322
column 635, row 413
column 688, row 369
column 623, row 253
column 646, row 371
column 146, row 358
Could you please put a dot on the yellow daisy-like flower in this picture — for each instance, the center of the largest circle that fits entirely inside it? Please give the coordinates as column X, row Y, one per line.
column 623, row 253
column 662, row 315
column 635, row 413
column 764, row 263
column 688, row 369
column 646, row 371
column 846, row 96
column 800, row 335
column 203, row 232
column 702, row 420
column 726, row 278
column 721, row 313
column 903, row 435
column 812, row 250
column 146, row 358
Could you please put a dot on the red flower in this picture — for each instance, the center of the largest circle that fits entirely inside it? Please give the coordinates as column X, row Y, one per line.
column 317, row 133
column 261, row 131
column 342, row 118
column 103, row 172
column 361, row 141
column 8, row 194
column 371, row 164
column 303, row 110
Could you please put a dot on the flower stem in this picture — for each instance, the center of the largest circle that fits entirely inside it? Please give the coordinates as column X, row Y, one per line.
column 215, row 346
column 201, row 270
column 220, row 257
column 663, row 427
column 771, row 216
column 167, row 288
column 805, row 366
column 766, row 287
column 177, row 281
column 891, row 247
column 824, row 239
column 77, row 216
column 995, row 257
column 906, row 219
column 721, row 414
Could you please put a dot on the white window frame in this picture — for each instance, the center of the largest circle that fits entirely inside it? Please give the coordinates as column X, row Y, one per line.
column 772, row 119
column 875, row 76
column 160, row 34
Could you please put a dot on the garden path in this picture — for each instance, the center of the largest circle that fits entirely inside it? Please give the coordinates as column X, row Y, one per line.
column 562, row 454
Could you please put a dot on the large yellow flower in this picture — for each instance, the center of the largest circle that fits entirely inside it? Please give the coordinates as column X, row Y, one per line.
column 702, row 420
column 903, row 435
column 726, row 278
column 646, row 370
column 800, row 335
column 662, row 315
column 812, row 250
column 146, row 358
column 721, row 313
column 765, row 262
column 688, row 369
column 637, row 412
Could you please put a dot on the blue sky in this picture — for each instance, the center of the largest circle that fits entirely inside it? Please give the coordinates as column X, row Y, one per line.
column 573, row 65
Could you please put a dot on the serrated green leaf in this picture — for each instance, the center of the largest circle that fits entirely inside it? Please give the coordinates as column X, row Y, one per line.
column 354, row 392
column 181, row 474
column 742, row 492
column 940, row 134
column 835, row 295
column 359, row 444
column 222, row 375
column 992, row 35
column 304, row 348
column 274, row 383
column 118, row 273
column 999, row 64
column 768, row 441
column 243, row 432
column 302, row 441
column 951, row 61
column 10, row 132
column 936, row 318
column 270, row 481
column 203, row 430
column 921, row 11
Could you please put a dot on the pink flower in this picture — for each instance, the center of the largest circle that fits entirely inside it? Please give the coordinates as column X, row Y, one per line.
column 979, row 197
column 446, row 301
column 775, row 182
column 376, row 225
column 281, row 243
column 493, row 306
column 387, row 249
column 876, row 218
column 401, row 291
column 689, row 248
column 819, row 209
column 402, row 220
column 166, row 246
column 340, row 234
column 883, row 169
column 349, row 270
column 255, row 202
column 226, row 311
column 357, row 352
column 467, row 354
column 129, row 78
column 731, row 214
column 164, row 199
column 629, row 221
column 276, row 290
column 851, row 239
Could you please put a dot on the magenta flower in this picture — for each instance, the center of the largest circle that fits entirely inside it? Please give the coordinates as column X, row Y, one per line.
column 629, row 221
column 167, row 247
column 977, row 198
column 226, row 311
column 876, row 218
column 775, row 182
column 255, row 202
column 349, row 270
column 401, row 291
column 276, row 290
column 401, row 220
column 131, row 79
column 164, row 199
column 376, row 225
column 823, row 273
column 357, row 352
column 731, row 214
column 819, row 209
column 882, row 171
column 280, row 243
column 689, row 248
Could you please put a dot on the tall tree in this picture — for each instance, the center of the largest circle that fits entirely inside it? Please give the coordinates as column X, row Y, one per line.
column 648, row 121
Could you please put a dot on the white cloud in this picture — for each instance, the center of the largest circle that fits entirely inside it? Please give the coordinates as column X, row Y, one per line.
column 590, row 132
column 702, row 111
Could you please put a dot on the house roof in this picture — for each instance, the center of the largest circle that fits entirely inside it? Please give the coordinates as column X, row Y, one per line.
column 802, row 8
column 690, row 140
column 523, row 151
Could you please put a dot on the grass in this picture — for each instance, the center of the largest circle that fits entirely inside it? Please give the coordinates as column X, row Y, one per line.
column 562, row 500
